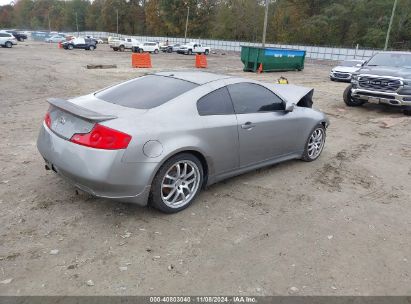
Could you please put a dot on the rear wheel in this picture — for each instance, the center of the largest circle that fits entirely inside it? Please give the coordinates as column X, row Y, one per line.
column 349, row 101
column 315, row 144
column 141, row 50
column 8, row 44
column 70, row 47
column 115, row 49
column 155, row 51
column 190, row 52
column 91, row 48
column 177, row 183
column 206, row 52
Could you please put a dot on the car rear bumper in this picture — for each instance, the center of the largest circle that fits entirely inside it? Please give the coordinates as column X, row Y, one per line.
column 98, row 172
column 390, row 98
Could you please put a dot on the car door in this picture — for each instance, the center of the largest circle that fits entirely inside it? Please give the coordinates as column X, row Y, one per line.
column 263, row 125
column 219, row 129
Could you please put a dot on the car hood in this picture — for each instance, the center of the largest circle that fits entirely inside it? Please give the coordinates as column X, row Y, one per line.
column 345, row 69
column 386, row 71
column 289, row 92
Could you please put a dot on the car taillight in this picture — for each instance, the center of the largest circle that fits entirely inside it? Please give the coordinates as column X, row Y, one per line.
column 47, row 120
column 101, row 137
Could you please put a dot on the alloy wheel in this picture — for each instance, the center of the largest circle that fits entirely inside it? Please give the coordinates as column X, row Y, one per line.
column 180, row 183
column 316, row 143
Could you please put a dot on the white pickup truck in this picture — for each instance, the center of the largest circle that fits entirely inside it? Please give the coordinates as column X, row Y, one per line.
column 122, row 44
column 193, row 48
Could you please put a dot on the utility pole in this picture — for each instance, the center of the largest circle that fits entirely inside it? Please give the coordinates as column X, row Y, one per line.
column 188, row 13
column 117, row 20
column 265, row 22
column 387, row 38
column 48, row 16
column 77, row 25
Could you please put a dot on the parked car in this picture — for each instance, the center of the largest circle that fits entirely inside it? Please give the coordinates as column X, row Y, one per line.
column 193, row 48
column 172, row 48
column 151, row 47
column 124, row 44
column 55, row 38
column 7, row 40
column 97, row 40
column 80, row 43
column 344, row 70
column 180, row 132
column 384, row 79
column 19, row 36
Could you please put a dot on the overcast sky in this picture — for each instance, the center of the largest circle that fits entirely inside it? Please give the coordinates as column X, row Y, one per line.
column 3, row 2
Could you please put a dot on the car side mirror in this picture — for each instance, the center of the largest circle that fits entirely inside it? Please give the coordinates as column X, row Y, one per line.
column 289, row 107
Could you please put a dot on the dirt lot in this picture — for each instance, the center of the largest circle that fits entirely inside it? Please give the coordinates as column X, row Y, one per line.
column 338, row 226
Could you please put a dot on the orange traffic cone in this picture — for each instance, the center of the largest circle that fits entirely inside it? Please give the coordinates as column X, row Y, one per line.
column 260, row 69
column 201, row 61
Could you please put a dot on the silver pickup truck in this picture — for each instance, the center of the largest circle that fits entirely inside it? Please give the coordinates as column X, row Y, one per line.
column 122, row 44
column 383, row 79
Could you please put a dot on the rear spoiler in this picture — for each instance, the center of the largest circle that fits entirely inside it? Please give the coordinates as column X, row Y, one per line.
column 76, row 110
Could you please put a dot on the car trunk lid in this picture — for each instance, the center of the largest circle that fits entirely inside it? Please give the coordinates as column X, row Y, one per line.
column 67, row 118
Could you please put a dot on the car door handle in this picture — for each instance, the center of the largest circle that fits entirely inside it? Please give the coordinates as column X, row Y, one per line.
column 248, row 125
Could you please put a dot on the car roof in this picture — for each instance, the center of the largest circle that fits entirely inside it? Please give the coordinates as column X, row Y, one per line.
column 395, row 52
column 194, row 76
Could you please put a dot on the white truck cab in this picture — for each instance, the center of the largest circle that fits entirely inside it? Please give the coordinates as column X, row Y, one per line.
column 194, row 48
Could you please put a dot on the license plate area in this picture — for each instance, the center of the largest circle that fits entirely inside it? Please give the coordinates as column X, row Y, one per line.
column 375, row 100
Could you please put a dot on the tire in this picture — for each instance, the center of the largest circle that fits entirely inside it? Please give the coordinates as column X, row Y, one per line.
column 314, row 145
column 70, row 47
column 190, row 52
column 156, row 51
column 349, row 101
column 91, row 47
column 121, row 48
column 159, row 190
column 8, row 44
column 115, row 49
column 206, row 52
column 169, row 50
column 407, row 111
column 141, row 50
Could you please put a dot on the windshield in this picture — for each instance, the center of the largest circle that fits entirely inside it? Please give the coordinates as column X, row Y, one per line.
column 391, row 59
column 145, row 92
column 350, row 63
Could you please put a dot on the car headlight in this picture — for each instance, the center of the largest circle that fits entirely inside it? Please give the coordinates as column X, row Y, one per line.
column 354, row 79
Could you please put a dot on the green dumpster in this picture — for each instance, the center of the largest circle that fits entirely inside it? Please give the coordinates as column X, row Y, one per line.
column 271, row 59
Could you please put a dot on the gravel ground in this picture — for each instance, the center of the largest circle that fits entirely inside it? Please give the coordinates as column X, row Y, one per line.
column 338, row 226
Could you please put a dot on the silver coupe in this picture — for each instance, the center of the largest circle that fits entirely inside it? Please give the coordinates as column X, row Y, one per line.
column 161, row 138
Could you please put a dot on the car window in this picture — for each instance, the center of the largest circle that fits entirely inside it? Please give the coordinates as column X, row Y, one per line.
column 217, row 102
column 146, row 92
column 253, row 98
column 4, row 35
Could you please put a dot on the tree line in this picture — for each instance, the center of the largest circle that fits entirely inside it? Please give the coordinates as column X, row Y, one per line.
column 313, row 22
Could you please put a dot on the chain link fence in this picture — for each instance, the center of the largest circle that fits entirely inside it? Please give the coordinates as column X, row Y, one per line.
column 312, row 52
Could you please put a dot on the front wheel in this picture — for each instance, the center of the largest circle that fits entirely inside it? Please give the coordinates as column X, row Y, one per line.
column 315, row 144
column 190, row 52
column 70, row 47
column 349, row 100
column 206, row 52
column 141, row 50
column 8, row 44
column 122, row 48
column 177, row 183
column 91, row 48
column 155, row 51
column 407, row 111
